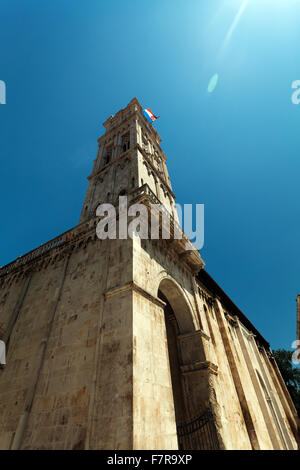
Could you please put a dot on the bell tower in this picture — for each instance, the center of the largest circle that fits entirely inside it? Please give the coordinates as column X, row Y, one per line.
column 151, row 303
column 129, row 156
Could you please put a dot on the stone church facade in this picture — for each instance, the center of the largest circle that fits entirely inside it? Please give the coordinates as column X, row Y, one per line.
column 129, row 343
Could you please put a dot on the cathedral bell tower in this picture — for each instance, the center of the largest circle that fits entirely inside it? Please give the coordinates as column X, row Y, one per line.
column 153, row 366
column 129, row 157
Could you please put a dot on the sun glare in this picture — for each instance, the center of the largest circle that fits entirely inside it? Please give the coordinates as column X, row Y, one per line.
column 260, row 9
column 235, row 22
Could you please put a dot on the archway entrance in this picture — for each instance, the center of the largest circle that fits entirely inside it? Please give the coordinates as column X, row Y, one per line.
column 194, row 422
column 172, row 294
column 172, row 331
column 178, row 320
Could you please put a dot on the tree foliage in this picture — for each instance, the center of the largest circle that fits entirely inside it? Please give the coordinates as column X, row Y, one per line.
column 290, row 374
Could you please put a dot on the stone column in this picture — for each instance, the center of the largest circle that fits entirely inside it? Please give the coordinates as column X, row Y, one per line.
column 157, row 188
column 198, row 379
column 286, row 401
column 279, row 421
column 134, row 406
column 135, row 134
column 100, row 156
column 119, row 149
column 111, row 422
column 154, row 423
column 260, row 397
column 236, row 376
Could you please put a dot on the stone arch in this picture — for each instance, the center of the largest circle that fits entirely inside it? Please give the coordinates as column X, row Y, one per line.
column 178, row 321
column 176, row 297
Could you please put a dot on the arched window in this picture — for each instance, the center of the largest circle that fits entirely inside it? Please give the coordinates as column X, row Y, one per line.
column 126, row 142
column 108, row 155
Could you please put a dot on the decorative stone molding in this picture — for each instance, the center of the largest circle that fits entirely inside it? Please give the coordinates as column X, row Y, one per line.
column 184, row 248
column 206, row 296
column 248, row 334
column 259, row 346
column 132, row 286
column 193, row 333
column 199, row 366
column 54, row 250
column 231, row 320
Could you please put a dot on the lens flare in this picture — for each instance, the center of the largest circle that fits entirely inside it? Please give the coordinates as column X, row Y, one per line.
column 213, row 83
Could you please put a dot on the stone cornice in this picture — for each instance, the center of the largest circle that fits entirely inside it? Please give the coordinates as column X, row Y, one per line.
column 86, row 231
column 205, row 293
column 198, row 366
column 249, row 334
column 192, row 259
column 58, row 245
column 193, row 333
column 232, row 320
column 133, row 286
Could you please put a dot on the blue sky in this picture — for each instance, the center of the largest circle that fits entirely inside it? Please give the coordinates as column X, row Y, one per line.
column 69, row 64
